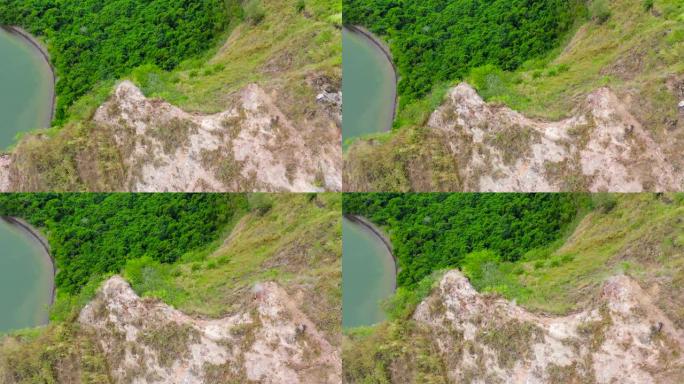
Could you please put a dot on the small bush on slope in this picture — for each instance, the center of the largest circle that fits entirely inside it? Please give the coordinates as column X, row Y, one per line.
column 599, row 10
column 254, row 13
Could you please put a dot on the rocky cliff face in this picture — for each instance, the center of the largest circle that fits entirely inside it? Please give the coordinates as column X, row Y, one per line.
column 251, row 146
column 625, row 338
column 271, row 341
column 137, row 144
column 602, row 147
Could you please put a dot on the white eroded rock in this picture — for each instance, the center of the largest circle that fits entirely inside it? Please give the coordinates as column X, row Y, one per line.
column 146, row 341
column 601, row 148
column 251, row 146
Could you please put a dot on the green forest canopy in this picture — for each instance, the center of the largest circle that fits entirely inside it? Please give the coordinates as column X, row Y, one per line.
column 95, row 40
column 94, row 234
column 433, row 41
column 435, row 231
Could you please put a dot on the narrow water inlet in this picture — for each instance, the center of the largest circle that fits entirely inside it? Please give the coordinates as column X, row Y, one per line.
column 369, row 85
column 26, row 276
column 27, row 97
column 368, row 273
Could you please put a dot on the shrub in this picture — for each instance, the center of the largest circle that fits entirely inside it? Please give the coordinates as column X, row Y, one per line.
column 481, row 268
column 301, row 5
column 150, row 278
column 404, row 302
column 488, row 80
column 599, row 11
column 260, row 203
column 604, row 202
column 648, row 5
column 254, row 12
column 563, row 68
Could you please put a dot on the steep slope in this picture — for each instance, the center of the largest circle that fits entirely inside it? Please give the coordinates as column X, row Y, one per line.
column 261, row 112
column 603, row 147
column 270, row 341
column 599, row 114
column 624, row 338
column 604, row 306
column 262, row 304
column 249, row 147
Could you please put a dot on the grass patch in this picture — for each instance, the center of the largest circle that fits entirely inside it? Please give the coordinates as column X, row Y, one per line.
column 395, row 352
column 171, row 341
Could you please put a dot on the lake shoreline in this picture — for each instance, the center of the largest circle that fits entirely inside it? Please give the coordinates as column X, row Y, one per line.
column 45, row 55
column 377, row 232
column 36, row 235
column 384, row 49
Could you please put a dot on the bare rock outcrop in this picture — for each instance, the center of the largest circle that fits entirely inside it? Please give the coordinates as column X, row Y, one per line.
column 5, row 164
column 253, row 146
column 602, row 148
column 146, row 341
column 625, row 338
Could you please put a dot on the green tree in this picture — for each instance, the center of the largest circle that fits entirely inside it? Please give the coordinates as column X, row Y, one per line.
column 91, row 41
column 434, row 41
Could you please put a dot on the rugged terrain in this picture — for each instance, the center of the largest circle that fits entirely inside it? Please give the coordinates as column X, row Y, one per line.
column 605, row 305
column 270, row 341
column 261, row 112
column 602, row 148
column 261, row 305
column 625, row 338
column 249, row 147
column 594, row 115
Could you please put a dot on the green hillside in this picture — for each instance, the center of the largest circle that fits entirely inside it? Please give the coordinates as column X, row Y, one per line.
column 281, row 45
column 293, row 240
column 91, row 42
column 632, row 47
column 641, row 236
column 430, row 231
column 436, row 41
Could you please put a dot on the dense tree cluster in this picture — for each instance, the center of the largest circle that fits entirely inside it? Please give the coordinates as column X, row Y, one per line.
column 433, row 41
column 92, row 234
column 95, row 40
column 434, row 231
